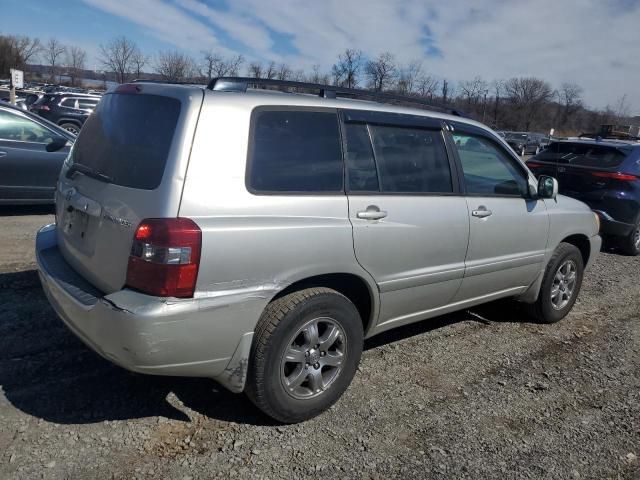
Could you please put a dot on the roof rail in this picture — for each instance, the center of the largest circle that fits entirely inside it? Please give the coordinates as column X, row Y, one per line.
column 241, row 84
column 142, row 80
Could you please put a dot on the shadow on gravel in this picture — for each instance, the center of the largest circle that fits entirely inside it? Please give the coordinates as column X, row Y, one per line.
column 46, row 372
column 21, row 210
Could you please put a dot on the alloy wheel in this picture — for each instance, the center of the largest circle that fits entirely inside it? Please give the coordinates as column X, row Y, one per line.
column 564, row 283
column 313, row 358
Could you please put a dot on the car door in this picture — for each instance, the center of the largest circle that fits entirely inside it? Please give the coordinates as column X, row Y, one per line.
column 27, row 171
column 508, row 228
column 410, row 223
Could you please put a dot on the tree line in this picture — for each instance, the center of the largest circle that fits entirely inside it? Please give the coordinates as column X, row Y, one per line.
column 518, row 103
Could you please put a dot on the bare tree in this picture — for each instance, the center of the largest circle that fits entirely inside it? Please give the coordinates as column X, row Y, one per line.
column 382, row 71
column 17, row 51
column 570, row 99
column 117, row 56
column 528, row 95
column 426, row 86
column 622, row 108
column 76, row 58
column 217, row 66
column 138, row 61
column 347, row 69
column 52, row 53
column 498, row 92
column 409, row 77
column 28, row 48
column 174, row 66
column 234, row 64
column 255, row 70
column 472, row 90
column 284, row 72
column 271, row 71
column 316, row 76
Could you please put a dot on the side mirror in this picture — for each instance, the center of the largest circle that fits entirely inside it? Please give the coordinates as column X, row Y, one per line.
column 56, row 144
column 547, row 187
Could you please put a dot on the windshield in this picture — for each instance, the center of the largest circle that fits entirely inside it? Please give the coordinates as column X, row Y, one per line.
column 127, row 139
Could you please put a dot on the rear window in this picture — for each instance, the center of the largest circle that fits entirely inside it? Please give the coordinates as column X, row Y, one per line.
column 295, row 151
column 582, row 154
column 128, row 138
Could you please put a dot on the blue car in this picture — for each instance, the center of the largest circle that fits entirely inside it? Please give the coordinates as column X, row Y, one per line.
column 604, row 174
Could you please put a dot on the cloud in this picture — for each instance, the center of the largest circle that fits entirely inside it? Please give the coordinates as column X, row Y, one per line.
column 162, row 20
column 588, row 42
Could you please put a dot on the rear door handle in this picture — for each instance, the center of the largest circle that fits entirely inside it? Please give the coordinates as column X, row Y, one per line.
column 481, row 212
column 372, row 213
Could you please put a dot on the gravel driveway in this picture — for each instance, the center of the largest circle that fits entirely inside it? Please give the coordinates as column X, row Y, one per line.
column 479, row 394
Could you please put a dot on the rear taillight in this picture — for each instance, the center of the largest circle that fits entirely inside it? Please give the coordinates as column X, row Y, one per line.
column 41, row 107
column 165, row 256
column 533, row 165
column 625, row 177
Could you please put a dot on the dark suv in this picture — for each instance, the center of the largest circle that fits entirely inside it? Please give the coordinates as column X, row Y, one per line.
column 69, row 110
column 526, row 143
column 605, row 174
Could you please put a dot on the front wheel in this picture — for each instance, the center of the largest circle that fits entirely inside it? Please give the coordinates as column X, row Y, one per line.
column 630, row 244
column 560, row 285
column 305, row 352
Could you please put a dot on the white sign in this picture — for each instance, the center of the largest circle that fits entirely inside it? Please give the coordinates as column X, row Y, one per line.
column 17, row 78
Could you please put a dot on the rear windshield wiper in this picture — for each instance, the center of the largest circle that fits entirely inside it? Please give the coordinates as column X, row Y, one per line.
column 88, row 171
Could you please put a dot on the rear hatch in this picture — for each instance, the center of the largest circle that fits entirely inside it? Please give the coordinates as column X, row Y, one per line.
column 128, row 164
column 584, row 169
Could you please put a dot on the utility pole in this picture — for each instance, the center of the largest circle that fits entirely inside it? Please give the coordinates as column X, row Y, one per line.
column 484, row 105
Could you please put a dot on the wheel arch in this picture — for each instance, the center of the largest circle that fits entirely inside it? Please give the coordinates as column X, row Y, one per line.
column 581, row 242
column 352, row 286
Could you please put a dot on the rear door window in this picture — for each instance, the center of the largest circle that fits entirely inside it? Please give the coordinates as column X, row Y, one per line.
column 411, row 160
column 128, row 138
column 69, row 103
column 295, row 151
column 582, row 155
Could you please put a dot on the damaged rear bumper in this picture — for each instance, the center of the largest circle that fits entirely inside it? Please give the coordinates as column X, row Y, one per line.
column 200, row 337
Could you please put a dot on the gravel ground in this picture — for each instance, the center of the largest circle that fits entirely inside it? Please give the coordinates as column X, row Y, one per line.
column 479, row 394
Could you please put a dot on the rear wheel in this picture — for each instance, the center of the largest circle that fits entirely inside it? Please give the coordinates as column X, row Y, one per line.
column 305, row 352
column 560, row 285
column 631, row 243
column 71, row 127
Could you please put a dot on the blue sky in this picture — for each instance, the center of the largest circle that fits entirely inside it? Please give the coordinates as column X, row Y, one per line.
column 590, row 42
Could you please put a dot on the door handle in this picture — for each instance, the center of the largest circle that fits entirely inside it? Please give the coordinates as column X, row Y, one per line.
column 481, row 212
column 372, row 213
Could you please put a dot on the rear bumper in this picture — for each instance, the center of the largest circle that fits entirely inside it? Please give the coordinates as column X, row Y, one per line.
column 609, row 226
column 199, row 337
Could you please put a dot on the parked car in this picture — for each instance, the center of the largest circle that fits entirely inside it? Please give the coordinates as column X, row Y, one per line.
column 257, row 237
column 32, row 151
column 606, row 176
column 68, row 110
column 526, row 143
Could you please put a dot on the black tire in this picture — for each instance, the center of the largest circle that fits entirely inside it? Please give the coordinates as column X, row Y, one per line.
column 71, row 127
column 273, row 335
column 630, row 245
column 543, row 309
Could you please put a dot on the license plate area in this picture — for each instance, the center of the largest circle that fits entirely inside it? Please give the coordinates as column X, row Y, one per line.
column 77, row 228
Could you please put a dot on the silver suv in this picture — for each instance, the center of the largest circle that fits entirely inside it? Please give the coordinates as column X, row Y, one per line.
column 256, row 237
